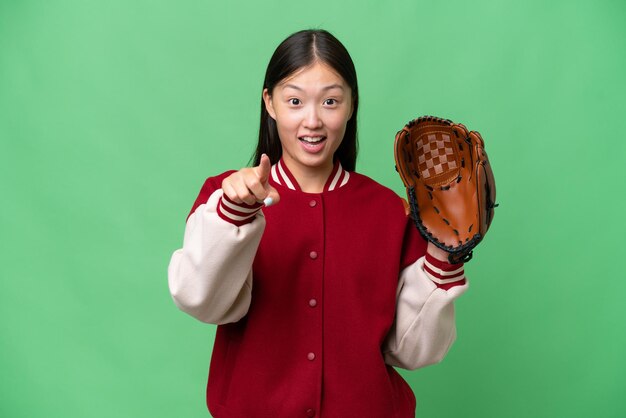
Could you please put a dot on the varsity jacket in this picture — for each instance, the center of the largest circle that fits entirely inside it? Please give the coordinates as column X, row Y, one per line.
column 316, row 299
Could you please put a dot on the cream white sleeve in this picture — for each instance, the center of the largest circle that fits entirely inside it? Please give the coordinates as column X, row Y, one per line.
column 424, row 327
column 210, row 277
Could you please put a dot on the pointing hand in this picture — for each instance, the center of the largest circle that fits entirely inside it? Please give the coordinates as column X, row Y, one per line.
column 250, row 185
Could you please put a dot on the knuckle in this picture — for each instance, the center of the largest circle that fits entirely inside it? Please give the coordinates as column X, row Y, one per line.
column 253, row 182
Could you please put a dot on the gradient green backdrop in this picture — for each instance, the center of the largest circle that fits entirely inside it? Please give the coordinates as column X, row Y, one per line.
column 112, row 113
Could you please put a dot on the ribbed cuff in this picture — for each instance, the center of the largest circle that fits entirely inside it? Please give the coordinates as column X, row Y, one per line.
column 237, row 213
column 443, row 274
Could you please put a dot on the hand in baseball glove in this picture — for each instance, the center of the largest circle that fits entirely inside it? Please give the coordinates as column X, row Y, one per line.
column 449, row 182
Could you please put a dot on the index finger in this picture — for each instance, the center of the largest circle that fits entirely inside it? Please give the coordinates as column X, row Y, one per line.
column 263, row 169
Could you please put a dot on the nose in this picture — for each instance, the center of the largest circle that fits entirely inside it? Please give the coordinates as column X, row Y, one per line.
column 312, row 119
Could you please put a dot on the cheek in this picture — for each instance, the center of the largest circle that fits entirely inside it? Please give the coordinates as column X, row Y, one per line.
column 338, row 123
column 286, row 123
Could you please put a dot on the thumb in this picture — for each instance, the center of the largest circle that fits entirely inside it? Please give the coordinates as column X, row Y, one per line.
column 272, row 196
column 263, row 169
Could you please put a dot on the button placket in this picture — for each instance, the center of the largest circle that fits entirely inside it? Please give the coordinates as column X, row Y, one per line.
column 316, row 257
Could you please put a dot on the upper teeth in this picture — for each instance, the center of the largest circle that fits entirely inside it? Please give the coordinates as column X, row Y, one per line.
column 312, row 138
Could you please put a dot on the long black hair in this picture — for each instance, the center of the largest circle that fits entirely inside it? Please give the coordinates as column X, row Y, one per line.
column 298, row 51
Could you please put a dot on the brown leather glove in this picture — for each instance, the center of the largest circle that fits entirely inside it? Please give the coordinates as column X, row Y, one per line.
column 449, row 182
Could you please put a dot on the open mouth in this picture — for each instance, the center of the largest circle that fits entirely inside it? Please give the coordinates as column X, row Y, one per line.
column 312, row 140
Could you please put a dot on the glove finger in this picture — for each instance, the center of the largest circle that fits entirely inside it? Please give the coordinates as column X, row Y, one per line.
column 476, row 138
column 460, row 130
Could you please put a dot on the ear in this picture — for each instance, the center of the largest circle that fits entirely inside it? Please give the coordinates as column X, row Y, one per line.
column 269, row 105
column 351, row 108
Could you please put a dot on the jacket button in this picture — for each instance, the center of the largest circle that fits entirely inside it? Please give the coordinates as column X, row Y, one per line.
column 312, row 303
column 311, row 356
column 313, row 255
column 312, row 203
column 310, row 413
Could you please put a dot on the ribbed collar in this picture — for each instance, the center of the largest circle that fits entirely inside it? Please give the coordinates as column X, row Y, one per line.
column 281, row 175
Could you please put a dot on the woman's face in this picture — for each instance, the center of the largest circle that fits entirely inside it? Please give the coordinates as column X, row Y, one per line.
column 311, row 109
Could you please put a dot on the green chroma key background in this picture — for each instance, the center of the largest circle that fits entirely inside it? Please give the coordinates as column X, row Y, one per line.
column 112, row 113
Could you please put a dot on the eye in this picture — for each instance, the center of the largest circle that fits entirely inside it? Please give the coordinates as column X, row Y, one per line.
column 330, row 102
column 294, row 101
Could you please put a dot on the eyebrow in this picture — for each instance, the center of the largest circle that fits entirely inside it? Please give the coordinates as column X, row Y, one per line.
column 332, row 86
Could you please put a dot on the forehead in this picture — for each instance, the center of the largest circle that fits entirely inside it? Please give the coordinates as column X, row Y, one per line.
column 315, row 75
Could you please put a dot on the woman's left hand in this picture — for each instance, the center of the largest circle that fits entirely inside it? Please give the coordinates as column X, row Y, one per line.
column 437, row 252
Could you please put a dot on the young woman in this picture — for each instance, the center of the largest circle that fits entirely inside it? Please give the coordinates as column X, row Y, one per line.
column 317, row 278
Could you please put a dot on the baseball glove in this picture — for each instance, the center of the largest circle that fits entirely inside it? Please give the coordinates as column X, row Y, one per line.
column 450, row 185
